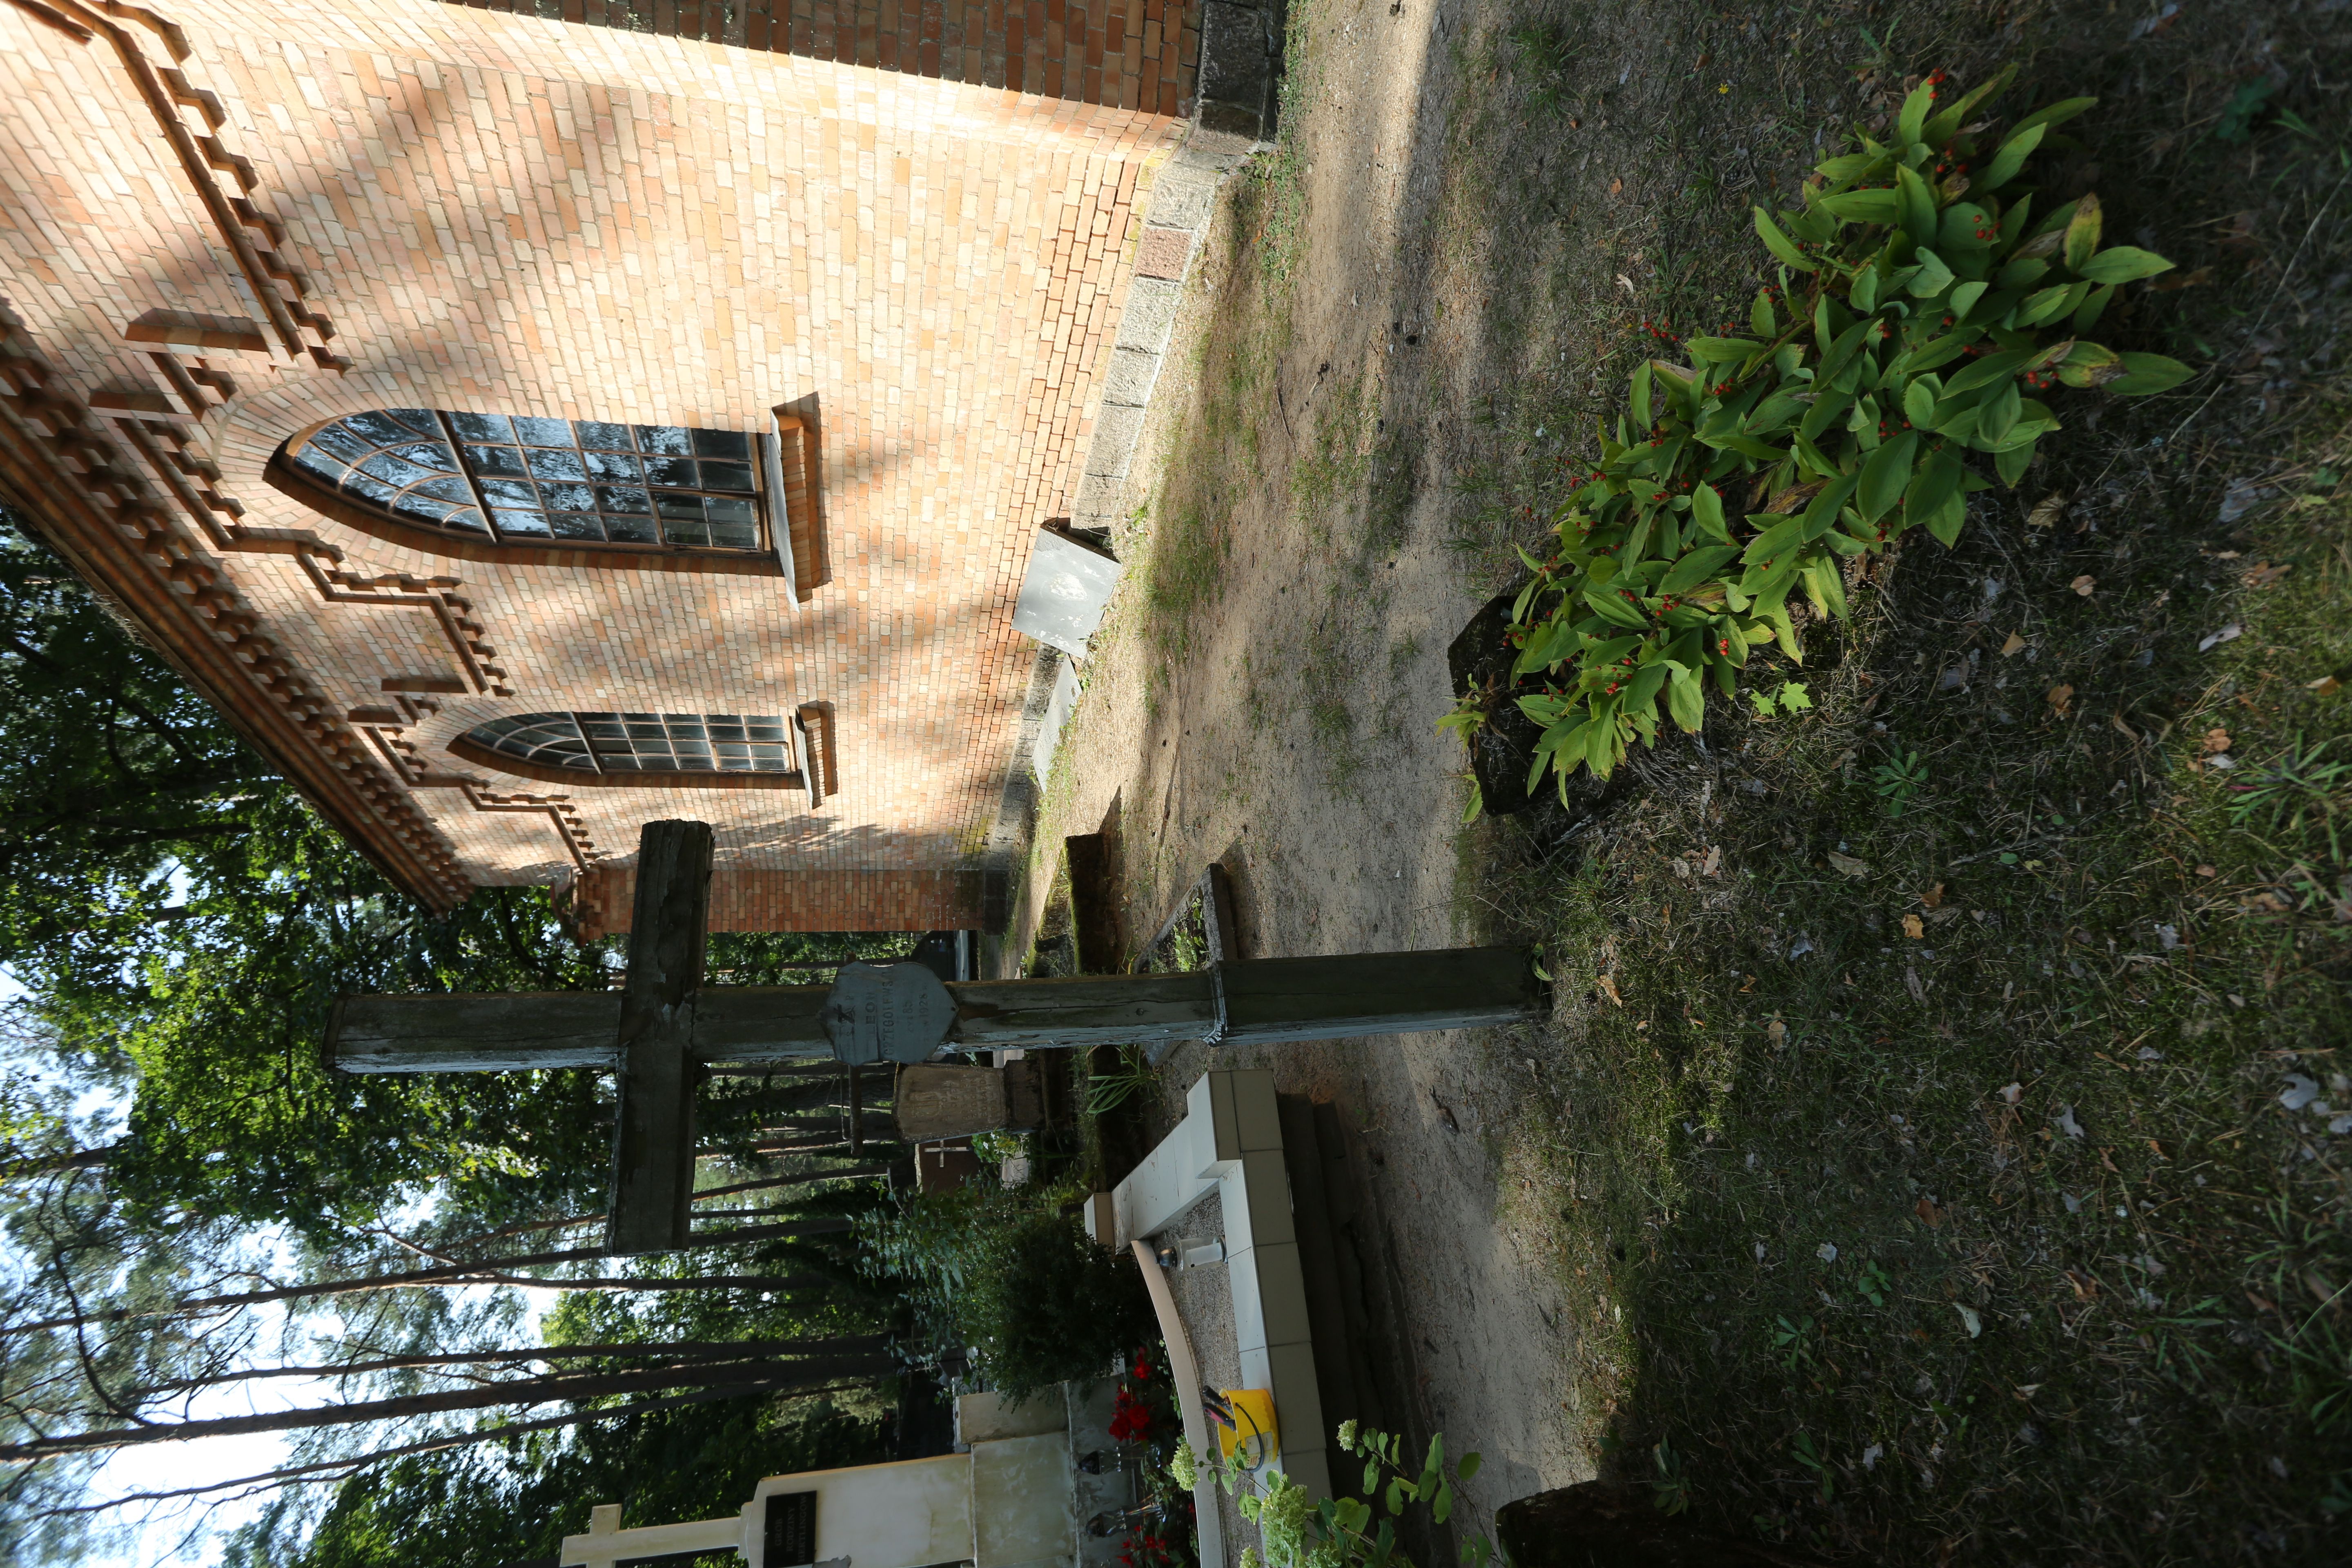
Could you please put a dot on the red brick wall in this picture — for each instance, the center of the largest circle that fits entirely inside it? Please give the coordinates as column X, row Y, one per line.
column 601, row 903
column 510, row 214
column 1129, row 54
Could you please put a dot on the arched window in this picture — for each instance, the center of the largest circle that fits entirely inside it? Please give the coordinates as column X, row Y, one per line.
column 562, row 482
column 703, row 750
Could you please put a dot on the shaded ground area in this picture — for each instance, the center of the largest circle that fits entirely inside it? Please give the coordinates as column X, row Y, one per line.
column 1948, row 1186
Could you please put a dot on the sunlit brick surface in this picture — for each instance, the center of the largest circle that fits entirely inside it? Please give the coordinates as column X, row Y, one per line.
column 506, row 214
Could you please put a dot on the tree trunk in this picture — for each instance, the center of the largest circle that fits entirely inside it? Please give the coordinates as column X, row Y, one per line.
column 533, row 1391
column 685, row 1348
column 854, row 1172
column 343, row 1469
column 469, row 1274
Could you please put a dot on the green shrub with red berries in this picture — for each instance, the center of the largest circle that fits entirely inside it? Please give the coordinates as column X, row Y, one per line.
column 1926, row 298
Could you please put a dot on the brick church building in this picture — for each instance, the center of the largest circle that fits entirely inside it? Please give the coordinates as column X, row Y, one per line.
column 527, row 420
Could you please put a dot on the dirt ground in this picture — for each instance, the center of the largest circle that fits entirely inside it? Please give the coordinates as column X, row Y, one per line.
column 1410, row 311
column 1335, row 805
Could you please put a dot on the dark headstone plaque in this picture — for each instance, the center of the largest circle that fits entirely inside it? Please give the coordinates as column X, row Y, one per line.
column 887, row 1012
column 788, row 1537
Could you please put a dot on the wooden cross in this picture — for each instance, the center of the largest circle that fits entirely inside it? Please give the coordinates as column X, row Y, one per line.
column 664, row 1026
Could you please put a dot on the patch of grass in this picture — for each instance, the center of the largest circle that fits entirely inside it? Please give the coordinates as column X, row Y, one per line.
column 1956, row 1185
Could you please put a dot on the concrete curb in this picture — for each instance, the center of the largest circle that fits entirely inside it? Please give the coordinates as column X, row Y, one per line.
column 1183, row 199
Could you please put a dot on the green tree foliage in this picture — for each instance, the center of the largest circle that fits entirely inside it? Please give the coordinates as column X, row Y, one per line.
column 183, row 921
column 514, row 1502
column 1005, row 1273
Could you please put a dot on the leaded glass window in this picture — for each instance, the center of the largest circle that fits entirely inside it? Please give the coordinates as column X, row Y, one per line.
column 524, row 480
column 622, row 744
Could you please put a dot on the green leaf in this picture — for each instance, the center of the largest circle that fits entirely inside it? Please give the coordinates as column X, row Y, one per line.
column 1763, row 700
column 1938, row 481
column 2087, row 313
column 1442, row 1506
column 1642, row 397
column 1779, row 244
column 1615, row 610
column 1760, row 318
column 1863, row 206
column 1986, row 371
column 1746, row 445
column 1913, row 117
column 2000, row 408
column 2145, row 373
column 2010, row 463
column 2015, row 149
column 1846, row 167
column 1886, row 475
column 1698, row 566
column 1706, row 509
column 2056, row 114
column 2238, row 116
column 1825, row 586
column 1919, row 405
column 1395, row 1497
column 2021, row 272
column 1775, row 541
column 2123, row 264
column 1932, row 277
column 2082, row 234
column 1469, row 1465
column 1822, row 514
column 1958, row 229
column 1686, row 704
column 1862, row 292
column 1721, row 351
column 1918, row 205
column 1946, row 123
column 2045, row 304
column 1794, row 698
column 1371, row 1475
column 1945, row 521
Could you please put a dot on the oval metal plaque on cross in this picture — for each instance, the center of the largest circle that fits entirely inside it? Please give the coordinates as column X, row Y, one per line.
column 887, row 1012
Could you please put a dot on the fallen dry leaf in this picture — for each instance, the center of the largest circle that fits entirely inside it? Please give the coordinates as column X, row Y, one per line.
column 2083, row 584
column 2327, row 685
column 2261, row 573
column 1712, row 864
column 2013, row 646
column 1925, row 1209
column 2085, row 1285
column 1912, row 929
column 1777, row 1032
column 1607, row 984
column 2209, row 870
column 1616, row 187
column 1847, row 864
column 1934, row 897
column 2061, row 698
column 2047, row 511
column 2216, row 740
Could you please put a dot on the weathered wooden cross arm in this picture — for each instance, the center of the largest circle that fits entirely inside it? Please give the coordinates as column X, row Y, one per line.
column 1253, row 1001
column 665, row 1023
